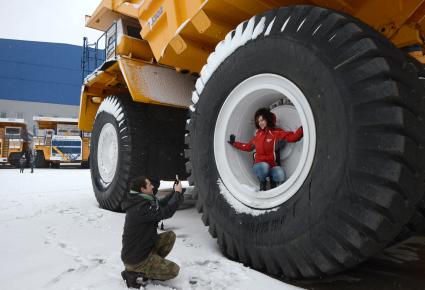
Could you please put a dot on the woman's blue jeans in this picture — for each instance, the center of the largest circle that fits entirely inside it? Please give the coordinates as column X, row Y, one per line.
column 262, row 170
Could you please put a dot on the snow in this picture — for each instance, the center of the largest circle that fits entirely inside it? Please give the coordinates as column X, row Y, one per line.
column 230, row 44
column 195, row 97
column 269, row 28
column 54, row 236
column 134, row 5
column 12, row 120
column 227, row 46
column 286, row 23
column 112, row 106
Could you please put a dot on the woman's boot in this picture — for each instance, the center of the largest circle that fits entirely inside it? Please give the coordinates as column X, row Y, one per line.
column 263, row 185
column 273, row 184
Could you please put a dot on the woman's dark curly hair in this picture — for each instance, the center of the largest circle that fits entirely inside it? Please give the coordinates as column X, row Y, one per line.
column 267, row 115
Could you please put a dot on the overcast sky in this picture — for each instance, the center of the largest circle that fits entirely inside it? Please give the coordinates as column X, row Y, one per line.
column 60, row 21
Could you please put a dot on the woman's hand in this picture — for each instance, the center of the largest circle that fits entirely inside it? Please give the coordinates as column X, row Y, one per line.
column 300, row 131
column 232, row 139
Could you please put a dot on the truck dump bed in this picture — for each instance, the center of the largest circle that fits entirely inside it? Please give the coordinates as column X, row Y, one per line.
column 182, row 34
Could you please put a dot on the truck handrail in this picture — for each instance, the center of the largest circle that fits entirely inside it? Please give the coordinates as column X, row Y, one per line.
column 100, row 55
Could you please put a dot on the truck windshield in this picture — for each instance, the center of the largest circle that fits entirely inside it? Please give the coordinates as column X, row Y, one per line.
column 13, row 132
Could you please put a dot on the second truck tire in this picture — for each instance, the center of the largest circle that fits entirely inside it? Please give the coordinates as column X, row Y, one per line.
column 131, row 139
column 40, row 161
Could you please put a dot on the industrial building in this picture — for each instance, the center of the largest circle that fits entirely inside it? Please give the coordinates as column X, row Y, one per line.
column 39, row 79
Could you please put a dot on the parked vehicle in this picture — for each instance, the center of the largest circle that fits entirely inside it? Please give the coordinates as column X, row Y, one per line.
column 14, row 140
column 349, row 72
column 58, row 140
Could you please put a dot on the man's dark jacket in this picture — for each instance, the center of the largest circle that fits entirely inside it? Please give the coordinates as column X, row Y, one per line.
column 143, row 212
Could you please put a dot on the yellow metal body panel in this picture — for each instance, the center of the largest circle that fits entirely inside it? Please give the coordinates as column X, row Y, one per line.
column 88, row 111
column 130, row 70
column 100, row 84
column 6, row 150
column 182, row 34
column 17, row 149
column 1, row 141
column 144, row 81
column 86, row 148
column 45, row 149
column 110, row 10
column 134, row 48
column 153, row 84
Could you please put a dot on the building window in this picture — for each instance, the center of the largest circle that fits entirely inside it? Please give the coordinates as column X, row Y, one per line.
column 3, row 115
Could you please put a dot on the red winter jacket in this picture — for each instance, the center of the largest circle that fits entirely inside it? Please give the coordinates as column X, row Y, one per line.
column 264, row 143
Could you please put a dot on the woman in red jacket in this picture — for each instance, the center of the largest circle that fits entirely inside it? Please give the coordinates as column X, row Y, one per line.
column 264, row 143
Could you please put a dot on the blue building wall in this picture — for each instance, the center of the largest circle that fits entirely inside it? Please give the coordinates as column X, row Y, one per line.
column 40, row 72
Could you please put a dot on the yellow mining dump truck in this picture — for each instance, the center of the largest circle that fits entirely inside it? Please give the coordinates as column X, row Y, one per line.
column 349, row 72
column 14, row 141
column 58, row 140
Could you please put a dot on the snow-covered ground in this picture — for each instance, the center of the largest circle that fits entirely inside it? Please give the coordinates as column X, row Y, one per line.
column 53, row 235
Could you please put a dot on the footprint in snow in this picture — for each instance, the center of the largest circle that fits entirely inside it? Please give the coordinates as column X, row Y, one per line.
column 211, row 274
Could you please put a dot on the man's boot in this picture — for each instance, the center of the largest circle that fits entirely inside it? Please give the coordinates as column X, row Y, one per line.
column 273, row 184
column 263, row 185
column 130, row 279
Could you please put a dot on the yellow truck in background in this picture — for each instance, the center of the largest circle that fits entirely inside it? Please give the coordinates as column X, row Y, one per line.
column 169, row 81
column 58, row 140
column 14, row 141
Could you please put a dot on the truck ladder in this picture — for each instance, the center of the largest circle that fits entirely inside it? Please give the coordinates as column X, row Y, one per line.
column 6, row 148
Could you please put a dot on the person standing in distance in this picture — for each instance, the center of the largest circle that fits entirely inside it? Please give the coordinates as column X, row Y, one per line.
column 143, row 249
column 22, row 163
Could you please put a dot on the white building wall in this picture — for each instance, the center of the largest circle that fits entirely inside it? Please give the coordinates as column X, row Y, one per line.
column 26, row 110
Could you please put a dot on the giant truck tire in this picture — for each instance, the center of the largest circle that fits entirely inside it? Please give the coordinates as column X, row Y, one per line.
column 131, row 139
column 417, row 221
column 55, row 165
column 356, row 176
column 111, row 153
column 85, row 164
column 40, row 161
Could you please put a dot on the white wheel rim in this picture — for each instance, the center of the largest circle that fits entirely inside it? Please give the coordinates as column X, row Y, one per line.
column 236, row 117
column 107, row 153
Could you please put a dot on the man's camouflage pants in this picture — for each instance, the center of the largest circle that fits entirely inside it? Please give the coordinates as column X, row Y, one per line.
column 155, row 266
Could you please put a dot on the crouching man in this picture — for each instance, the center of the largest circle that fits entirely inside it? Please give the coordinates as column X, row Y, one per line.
column 143, row 250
